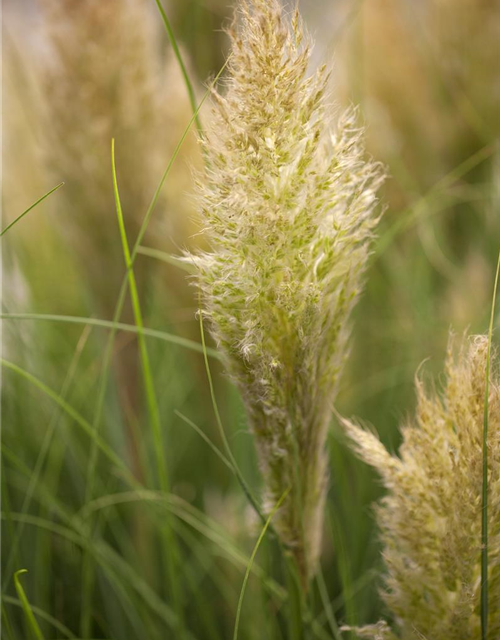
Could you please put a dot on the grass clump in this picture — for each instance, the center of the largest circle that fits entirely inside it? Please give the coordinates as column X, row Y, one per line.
column 288, row 203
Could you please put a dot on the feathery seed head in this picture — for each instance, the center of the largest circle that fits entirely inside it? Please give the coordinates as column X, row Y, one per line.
column 431, row 516
column 288, row 203
column 106, row 77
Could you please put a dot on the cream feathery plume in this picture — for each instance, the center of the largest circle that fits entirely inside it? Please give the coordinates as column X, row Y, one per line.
column 430, row 518
column 288, row 202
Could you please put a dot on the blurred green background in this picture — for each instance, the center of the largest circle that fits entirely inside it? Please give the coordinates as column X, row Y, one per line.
column 82, row 509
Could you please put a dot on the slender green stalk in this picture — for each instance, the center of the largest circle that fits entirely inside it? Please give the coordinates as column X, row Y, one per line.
column 72, row 413
column 251, row 561
column 344, row 568
column 214, row 448
column 225, row 442
column 30, row 617
column 111, row 324
column 9, row 226
column 327, row 606
column 115, row 325
column 171, row 547
column 67, row 633
column 148, row 378
column 484, row 521
column 185, row 75
column 42, row 456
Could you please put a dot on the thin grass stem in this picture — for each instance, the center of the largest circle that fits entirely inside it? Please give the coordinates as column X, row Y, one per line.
column 28, row 612
column 214, row 448
column 296, row 629
column 43, row 454
column 327, row 606
column 251, row 561
column 9, row 226
column 115, row 326
column 171, row 546
column 182, row 66
column 243, row 483
column 72, row 413
column 67, row 633
column 484, row 520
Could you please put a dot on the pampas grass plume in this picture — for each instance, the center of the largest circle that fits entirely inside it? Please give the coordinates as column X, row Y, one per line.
column 288, row 204
column 430, row 518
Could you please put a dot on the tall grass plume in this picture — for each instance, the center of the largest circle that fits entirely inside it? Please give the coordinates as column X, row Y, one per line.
column 431, row 517
column 288, row 203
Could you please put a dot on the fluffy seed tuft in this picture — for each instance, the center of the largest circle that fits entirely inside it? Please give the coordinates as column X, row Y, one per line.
column 288, row 202
column 431, row 517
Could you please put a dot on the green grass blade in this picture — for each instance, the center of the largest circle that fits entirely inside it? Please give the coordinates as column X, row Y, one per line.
column 195, row 519
column 484, row 520
column 35, row 204
column 72, row 413
column 147, row 374
column 117, row 326
column 43, row 615
column 214, row 448
column 252, row 558
column 88, row 574
column 171, row 547
column 44, row 452
column 5, row 626
column 225, row 442
column 344, row 567
column 297, row 604
column 112, row 561
column 177, row 149
column 30, row 617
column 182, row 66
column 327, row 605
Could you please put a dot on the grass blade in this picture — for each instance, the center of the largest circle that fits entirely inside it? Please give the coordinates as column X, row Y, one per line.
column 67, row 633
column 171, row 547
column 484, row 521
column 72, row 413
column 327, row 606
column 177, row 53
column 148, row 378
column 111, row 324
column 30, row 616
column 43, row 453
column 87, row 574
column 252, row 558
column 225, row 442
column 111, row 560
column 6, row 626
column 35, row 204
column 214, row 448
